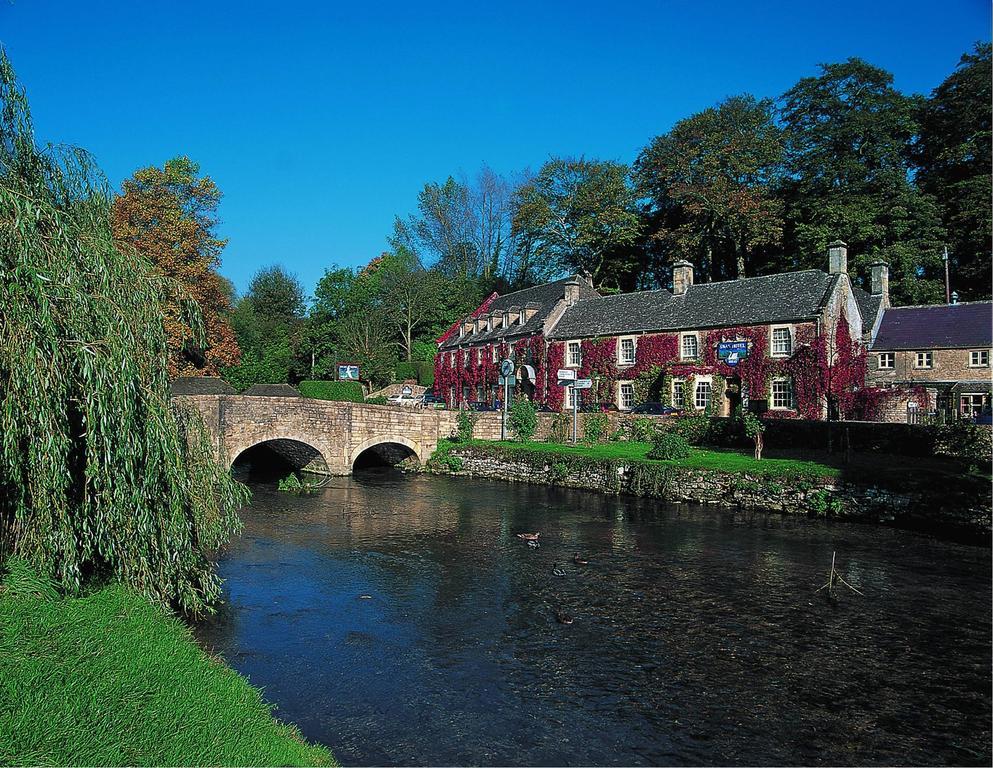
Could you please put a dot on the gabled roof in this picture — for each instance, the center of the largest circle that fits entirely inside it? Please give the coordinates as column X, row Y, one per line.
column 786, row 297
column 454, row 327
column 542, row 298
column 939, row 326
column 200, row 385
column 272, row 390
column 868, row 306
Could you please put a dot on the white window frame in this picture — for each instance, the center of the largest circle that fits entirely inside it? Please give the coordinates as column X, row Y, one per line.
column 479, row 355
column 772, row 394
column 520, row 319
column 451, row 358
column 571, row 393
column 772, row 341
column 677, row 386
column 620, row 395
column 495, row 355
column 696, row 392
column 682, row 346
column 929, row 357
column 568, row 354
column 973, row 411
column 976, row 359
column 890, row 357
column 634, row 350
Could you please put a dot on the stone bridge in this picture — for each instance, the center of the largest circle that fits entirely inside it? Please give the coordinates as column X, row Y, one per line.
column 319, row 435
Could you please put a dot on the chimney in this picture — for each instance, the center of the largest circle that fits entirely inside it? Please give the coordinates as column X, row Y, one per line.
column 838, row 258
column 572, row 290
column 682, row 277
column 881, row 280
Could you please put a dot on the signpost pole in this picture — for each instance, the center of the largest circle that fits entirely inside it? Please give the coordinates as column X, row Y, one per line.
column 503, row 420
column 575, row 411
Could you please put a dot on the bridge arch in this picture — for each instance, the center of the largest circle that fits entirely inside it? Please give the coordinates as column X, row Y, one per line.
column 382, row 440
column 298, row 452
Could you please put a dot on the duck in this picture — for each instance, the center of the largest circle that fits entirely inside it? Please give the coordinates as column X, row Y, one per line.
column 580, row 560
column 528, row 536
column 563, row 618
column 556, row 571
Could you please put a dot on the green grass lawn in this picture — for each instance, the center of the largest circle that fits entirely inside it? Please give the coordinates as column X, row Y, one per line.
column 699, row 458
column 109, row 679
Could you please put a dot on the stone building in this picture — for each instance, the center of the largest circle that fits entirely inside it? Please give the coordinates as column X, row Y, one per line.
column 788, row 344
column 936, row 359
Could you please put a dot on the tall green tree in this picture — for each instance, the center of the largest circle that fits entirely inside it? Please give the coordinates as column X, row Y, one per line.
column 710, row 182
column 99, row 475
column 576, row 214
column 953, row 157
column 848, row 136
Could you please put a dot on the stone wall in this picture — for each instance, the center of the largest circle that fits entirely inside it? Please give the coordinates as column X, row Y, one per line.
column 960, row 513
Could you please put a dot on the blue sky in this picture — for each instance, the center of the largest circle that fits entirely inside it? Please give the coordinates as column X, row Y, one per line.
column 321, row 121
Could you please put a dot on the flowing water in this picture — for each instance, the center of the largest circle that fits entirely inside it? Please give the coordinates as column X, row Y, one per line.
column 398, row 619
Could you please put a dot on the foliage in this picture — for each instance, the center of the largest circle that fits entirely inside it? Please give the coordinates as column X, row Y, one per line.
column 961, row 439
column 643, row 429
column 169, row 215
column 98, row 474
column 668, row 446
column 465, row 425
column 595, row 428
column 523, row 419
column 710, row 182
column 343, row 391
column 576, row 213
column 379, row 400
column 110, row 680
column 693, row 427
column 269, row 364
column 293, row 483
column 822, row 503
column 953, row 157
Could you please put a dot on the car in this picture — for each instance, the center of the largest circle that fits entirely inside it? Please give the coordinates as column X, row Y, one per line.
column 479, row 405
column 986, row 417
column 542, row 408
column 602, row 407
column 404, row 400
column 655, row 409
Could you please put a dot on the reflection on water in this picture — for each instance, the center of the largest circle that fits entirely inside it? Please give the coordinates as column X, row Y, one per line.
column 399, row 620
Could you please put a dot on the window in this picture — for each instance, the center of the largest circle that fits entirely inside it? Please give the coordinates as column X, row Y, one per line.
column 689, row 348
column 520, row 317
column 574, row 355
column 886, row 361
column 625, row 352
column 573, row 394
column 782, row 393
column 678, row 393
column 495, row 354
column 626, row 395
column 979, row 358
column 782, row 342
column 480, row 393
column 479, row 355
column 972, row 403
column 924, row 360
column 701, row 398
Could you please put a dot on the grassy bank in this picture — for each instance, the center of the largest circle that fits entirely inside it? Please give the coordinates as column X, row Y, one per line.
column 109, row 679
column 699, row 458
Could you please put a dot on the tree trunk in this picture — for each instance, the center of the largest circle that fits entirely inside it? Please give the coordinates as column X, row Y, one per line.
column 758, row 446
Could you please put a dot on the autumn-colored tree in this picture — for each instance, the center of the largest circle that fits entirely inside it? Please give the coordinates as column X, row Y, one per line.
column 169, row 215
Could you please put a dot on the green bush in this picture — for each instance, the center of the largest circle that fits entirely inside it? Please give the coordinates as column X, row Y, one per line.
column 560, row 428
column 405, row 371
column 422, row 371
column 595, row 428
column 523, row 420
column 465, row 425
column 344, row 391
column 668, row 446
column 694, row 428
column 643, row 429
column 375, row 400
column 963, row 440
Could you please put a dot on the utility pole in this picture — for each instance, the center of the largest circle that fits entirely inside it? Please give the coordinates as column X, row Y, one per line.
column 948, row 285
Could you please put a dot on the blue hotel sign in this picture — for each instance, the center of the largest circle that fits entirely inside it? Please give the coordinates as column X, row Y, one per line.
column 348, row 373
column 731, row 352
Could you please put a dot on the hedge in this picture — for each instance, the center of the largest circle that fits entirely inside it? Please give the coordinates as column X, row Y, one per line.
column 347, row 391
column 420, row 370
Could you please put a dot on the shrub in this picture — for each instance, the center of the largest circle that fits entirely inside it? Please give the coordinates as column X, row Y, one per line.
column 693, row 428
column 344, row 391
column 465, row 426
column 643, row 429
column 380, row 400
column 754, row 428
column 523, row 419
column 560, row 428
column 964, row 440
column 595, row 428
column 405, row 371
column 669, row 446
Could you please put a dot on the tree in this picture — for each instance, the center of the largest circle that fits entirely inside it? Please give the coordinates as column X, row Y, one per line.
column 709, row 183
column 169, row 215
column 413, row 297
column 575, row 213
column 100, row 476
column 953, row 157
column 848, row 136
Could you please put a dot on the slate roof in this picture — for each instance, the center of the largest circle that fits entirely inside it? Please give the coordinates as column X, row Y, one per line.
column 272, row 390
column 200, row 385
column 785, row 297
column 541, row 297
column 940, row 326
column 868, row 306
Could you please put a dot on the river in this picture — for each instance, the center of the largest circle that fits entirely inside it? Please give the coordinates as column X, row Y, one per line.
column 398, row 619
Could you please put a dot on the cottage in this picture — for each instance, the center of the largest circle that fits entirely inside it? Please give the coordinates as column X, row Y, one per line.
column 935, row 360
column 789, row 345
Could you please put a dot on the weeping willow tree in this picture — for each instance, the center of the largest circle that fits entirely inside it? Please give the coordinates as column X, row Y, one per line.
column 99, row 476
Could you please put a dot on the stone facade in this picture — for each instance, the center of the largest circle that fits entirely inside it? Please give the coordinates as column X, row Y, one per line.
column 337, row 431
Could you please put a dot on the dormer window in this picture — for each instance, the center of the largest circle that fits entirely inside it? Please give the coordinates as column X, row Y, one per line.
column 521, row 319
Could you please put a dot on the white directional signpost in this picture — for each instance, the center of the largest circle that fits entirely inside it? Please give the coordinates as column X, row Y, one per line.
column 567, row 378
column 508, row 380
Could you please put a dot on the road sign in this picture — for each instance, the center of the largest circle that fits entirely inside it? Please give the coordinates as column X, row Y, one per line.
column 583, row 383
column 348, row 372
column 566, row 374
column 732, row 352
column 506, row 367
